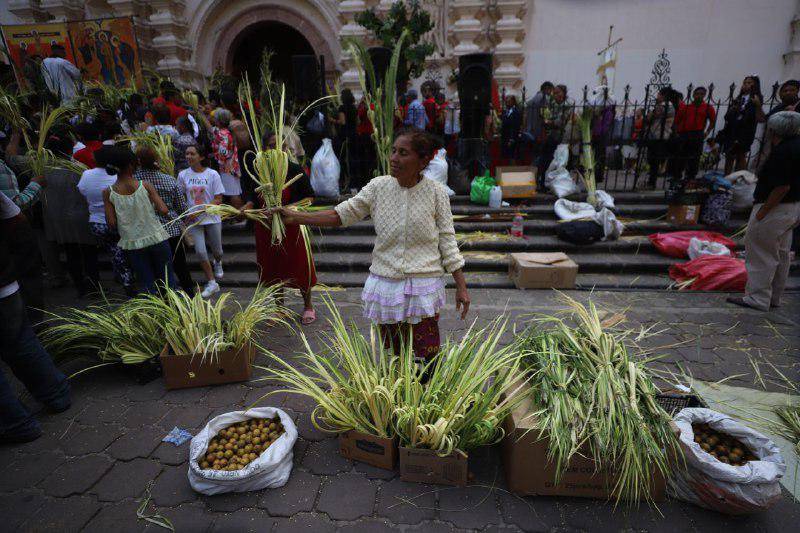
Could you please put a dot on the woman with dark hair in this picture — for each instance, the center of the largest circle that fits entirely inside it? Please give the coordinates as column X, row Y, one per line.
column 129, row 205
column 66, row 220
column 346, row 121
column 287, row 262
column 741, row 120
column 167, row 188
column 91, row 185
column 405, row 289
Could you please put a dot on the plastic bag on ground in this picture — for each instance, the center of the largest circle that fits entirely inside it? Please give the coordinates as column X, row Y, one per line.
column 437, row 170
column 744, row 185
column 612, row 228
column 698, row 247
column 712, row 273
column 604, row 199
column 725, row 488
column 557, row 178
column 480, row 189
column 269, row 470
column 676, row 243
column 569, row 210
column 581, row 232
column 325, row 171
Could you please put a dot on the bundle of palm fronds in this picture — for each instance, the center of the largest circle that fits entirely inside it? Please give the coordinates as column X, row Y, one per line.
column 483, row 236
column 587, row 154
column 161, row 145
column 11, row 111
column 38, row 158
column 381, row 101
column 789, row 426
column 108, row 95
column 592, row 398
column 191, row 99
column 136, row 330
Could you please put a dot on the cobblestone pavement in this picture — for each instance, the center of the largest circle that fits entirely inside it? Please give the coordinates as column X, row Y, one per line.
column 96, row 460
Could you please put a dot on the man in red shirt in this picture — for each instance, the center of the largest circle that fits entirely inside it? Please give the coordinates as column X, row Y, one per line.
column 693, row 122
column 89, row 135
column 429, row 103
column 174, row 104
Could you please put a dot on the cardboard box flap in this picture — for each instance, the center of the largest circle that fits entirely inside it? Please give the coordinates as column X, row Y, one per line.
column 534, row 258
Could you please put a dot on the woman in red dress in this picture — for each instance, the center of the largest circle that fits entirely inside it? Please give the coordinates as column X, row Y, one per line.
column 286, row 262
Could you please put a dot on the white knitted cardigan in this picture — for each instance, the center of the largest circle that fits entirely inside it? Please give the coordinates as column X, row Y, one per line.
column 414, row 227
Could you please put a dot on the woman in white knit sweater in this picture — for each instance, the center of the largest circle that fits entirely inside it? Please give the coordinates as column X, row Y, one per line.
column 415, row 245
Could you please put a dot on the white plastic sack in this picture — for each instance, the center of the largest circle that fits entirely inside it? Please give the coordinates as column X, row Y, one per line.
column 699, row 247
column 270, row 470
column 744, row 185
column 569, row 210
column 324, row 171
column 557, row 178
column 437, row 170
column 722, row 487
column 604, row 199
column 560, row 157
column 612, row 228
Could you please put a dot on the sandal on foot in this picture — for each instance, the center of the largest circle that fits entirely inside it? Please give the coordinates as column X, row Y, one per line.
column 309, row 316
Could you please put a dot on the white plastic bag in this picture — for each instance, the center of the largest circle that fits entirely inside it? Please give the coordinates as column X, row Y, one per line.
column 722, row 487
column 744, row 185
column 612, row 228
column 604, row 199
column 437, row 170
column 557, row 177
column 269, row 470
column 699, row 247
column 324, row 171
column 569, row 210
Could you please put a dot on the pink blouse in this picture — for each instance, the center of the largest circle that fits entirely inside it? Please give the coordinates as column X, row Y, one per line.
column 225, row 152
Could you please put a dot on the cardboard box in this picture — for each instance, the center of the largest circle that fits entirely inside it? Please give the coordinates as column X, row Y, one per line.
column 185, row 371
column 683, row 215
column 425, row 466
column 516, row 182
column 528, row 472
column 542, row 270
column 376, row 451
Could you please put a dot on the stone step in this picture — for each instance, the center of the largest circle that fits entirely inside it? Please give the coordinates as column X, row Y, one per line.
column 241, row 242
column 620, row 198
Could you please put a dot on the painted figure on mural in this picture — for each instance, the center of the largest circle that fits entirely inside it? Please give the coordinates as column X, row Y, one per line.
column 124, row 58
column 106, row 56
column 87, row 47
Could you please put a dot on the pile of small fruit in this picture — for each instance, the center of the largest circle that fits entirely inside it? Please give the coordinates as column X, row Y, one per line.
column 724, row 448
column 238, row 445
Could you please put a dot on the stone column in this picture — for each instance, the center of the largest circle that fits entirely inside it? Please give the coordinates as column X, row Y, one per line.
column 509, row 51
column 791, row 59
column 169, row 40
column 467, row 26
column 63, row 10
column 348, row 9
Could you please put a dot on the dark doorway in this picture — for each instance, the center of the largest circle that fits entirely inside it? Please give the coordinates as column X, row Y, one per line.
column 281, row 38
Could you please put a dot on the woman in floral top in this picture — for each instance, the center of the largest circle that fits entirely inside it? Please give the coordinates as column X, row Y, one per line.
column 226, row 155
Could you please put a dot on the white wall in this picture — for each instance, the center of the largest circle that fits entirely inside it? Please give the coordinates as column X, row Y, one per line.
column 707, row 41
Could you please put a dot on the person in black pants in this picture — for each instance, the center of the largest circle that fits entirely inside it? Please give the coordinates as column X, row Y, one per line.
column 693, row 122
column 167, row 188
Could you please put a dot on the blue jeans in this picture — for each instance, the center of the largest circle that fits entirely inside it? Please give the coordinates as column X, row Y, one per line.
column 22, row 351
column 151, row 264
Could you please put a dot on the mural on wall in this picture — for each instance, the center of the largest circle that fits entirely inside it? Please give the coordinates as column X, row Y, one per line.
column 104, row 50
column 28, row 44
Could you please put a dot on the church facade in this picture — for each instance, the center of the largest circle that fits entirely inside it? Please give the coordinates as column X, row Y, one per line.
column 704, row 41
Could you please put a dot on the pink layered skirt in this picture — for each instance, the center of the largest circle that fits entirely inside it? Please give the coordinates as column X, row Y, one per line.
column 410, row 300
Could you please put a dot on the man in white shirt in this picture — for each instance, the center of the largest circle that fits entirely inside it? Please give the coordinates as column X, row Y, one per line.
column 63, row 79
column 19, row 347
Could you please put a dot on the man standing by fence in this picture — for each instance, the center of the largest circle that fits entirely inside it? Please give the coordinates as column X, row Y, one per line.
column 693, row 123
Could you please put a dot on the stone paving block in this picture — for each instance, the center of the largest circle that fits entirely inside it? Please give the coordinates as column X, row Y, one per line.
column 192, row 396
column 137, row 443
column 172, row 488
column 323, row 458
column 75, row 476
column 231, row 396
column 298, row 495
column 307, row 430
column 434, row 527
column 190, row 417
column 99, row 412
column 469, row 508
column 153, row 390
column 530, row 514
column 347, row 497
column 144, row 414
column 28, row 470
column 299, row 451
column 299, row 403
column 231, row 501
column 705, row 520
column 368, row 525
column 373, row 472
column 305, row 523
column 17, row 507
column 126, row 480
column 169, row 454
column 67, row 514
column 257, row 394
column 189, row 517
column 394, row 496
column 85, row 440
column 117, row 518
column 584, row 513
column 107, row 385
column 245, row 521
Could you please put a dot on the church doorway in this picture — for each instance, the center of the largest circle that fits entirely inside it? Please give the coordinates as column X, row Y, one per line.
column 284, row 40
